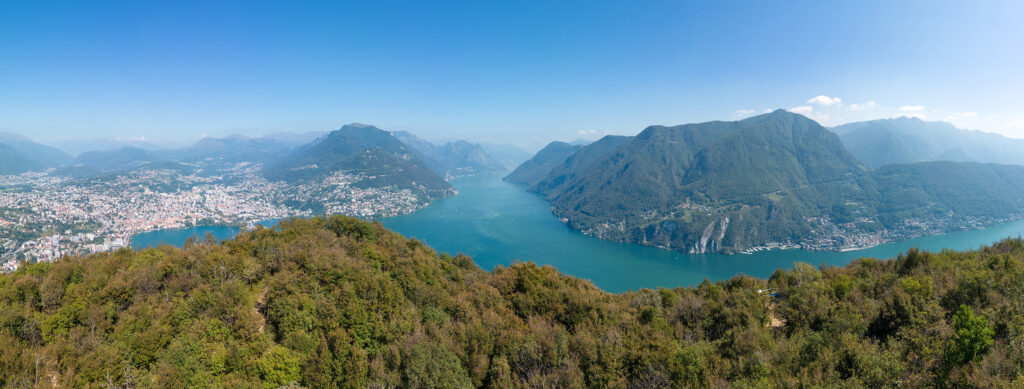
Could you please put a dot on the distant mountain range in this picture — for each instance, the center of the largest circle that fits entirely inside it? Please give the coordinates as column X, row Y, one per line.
column 452, row 159
column 124, row 158
column 19, row 154
column 906, row 140
column 210, row 153
column 293, row 157
column 772, row 180
column 91, row 156
column 230, row 150
column 77, row 146
column 295, row 139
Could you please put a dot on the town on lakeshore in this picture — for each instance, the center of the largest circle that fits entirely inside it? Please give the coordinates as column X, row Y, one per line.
column 45, row 216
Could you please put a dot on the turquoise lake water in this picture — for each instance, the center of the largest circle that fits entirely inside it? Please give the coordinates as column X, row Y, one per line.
column 496, row 223
column 178, row 236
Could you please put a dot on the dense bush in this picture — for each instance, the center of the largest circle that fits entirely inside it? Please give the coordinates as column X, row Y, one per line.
column 343, row 303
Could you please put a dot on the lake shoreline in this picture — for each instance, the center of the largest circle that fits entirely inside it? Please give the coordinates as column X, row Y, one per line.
column 496, row 223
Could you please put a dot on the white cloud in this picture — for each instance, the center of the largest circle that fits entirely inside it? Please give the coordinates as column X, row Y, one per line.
column 745, row 112
column 824, row 100
column 803, row 109
column 586, row 132
column 862, row 106
column 916, row 115
column 962, row 115
column 912, row 108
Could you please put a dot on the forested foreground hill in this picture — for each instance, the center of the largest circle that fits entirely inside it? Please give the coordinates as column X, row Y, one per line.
column 342, row 303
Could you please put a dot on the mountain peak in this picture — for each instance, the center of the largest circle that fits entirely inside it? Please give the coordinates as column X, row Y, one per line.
column 358, row 125
column 783, row 118
column 557, row 143
column 781, row 113
column 905, row 118
column 6, row 137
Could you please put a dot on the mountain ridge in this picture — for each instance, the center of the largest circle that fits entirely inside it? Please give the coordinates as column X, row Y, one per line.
column 577, row 163
column 907, row 140
column 536, row 168
column 22, row 154
column 778, row 179
column 451, row 159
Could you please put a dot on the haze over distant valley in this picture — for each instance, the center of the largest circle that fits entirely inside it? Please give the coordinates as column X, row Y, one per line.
column 56, row 204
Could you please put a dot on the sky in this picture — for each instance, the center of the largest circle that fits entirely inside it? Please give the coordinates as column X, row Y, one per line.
column 516, row 72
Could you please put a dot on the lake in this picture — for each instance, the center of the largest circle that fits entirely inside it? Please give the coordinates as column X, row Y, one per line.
column 178, row 236
column 497, row 222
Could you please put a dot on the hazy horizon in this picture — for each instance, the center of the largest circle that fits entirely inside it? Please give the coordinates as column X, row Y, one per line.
column 147, row 143
column 514, row 73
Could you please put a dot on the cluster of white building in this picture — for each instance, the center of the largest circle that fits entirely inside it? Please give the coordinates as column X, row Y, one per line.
column 72, row 217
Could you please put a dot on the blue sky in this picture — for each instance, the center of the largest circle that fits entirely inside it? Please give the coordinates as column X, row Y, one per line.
column 519, row 72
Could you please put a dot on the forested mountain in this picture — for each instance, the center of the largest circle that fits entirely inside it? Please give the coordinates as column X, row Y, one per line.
column 774, row 179
column 579, row 161
column 19, row 154
column 537, row 168
column 338, row 302
column 361, row 150
column 457, row 158
column 227, row 150
column 213, row 154
column 906, row 140
column 14, row 162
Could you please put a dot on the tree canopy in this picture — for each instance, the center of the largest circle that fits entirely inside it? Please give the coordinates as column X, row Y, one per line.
column 340, row 303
